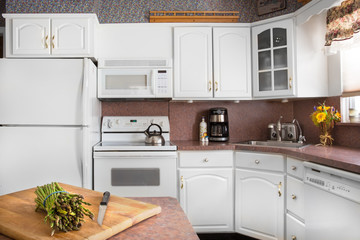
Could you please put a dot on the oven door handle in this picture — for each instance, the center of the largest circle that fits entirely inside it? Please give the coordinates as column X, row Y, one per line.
column 135, row 154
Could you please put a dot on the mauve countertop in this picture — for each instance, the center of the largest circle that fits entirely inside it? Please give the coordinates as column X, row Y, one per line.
column 171, row 223
column 334, row 156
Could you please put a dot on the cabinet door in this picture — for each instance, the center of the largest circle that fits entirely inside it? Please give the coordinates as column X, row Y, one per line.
column 206, row 196
column 273, row 59
column 70, row 36
column 259, row 204
column 232, row 62
column 193, row 62
column 31, row 36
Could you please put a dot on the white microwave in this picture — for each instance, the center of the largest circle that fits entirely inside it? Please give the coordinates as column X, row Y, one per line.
column 134, row 78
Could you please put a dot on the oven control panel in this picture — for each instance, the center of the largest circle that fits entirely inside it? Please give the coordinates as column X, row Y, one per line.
column 133, row 123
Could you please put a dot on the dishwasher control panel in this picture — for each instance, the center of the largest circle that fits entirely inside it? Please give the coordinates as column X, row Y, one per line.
column 335, row 184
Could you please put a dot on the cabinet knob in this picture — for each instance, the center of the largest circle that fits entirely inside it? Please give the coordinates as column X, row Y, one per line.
column 257, row 161
column 290, row 82
column 206, row 160
column 293, row 196
column 293, row 237
column 210, row 85
column 52, row 41
column 216, row 86
column 293, row 168
column 182, row 182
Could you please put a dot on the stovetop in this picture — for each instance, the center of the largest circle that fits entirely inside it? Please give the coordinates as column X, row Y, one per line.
column 132, row 146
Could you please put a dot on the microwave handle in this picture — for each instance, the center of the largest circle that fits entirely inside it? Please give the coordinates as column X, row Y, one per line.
column 153, row 82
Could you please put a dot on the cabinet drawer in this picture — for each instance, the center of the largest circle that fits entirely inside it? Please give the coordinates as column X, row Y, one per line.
column 295, row 196
column 295, row 229
column 261, row 161
column 206, row 158
column 295, row 167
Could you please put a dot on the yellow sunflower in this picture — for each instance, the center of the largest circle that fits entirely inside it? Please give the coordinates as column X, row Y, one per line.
column 320, row 117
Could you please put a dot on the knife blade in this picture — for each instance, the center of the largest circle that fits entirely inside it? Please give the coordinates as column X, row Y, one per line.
column 102, row 207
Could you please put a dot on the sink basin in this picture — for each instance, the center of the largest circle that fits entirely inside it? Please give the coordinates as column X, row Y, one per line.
column 287, row 144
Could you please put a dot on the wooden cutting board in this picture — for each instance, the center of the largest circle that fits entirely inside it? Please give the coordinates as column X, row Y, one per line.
column 19, row 220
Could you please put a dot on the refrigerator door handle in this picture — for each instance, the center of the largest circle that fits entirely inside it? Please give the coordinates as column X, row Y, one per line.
column 85, row 92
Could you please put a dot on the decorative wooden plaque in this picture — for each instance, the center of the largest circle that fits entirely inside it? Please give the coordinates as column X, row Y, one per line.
column 194, row 16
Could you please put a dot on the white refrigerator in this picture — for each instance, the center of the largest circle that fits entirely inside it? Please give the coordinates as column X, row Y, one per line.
column 49, row 121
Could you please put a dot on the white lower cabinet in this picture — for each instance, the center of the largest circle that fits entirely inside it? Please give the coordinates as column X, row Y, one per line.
column 259, row 199
column 207, row 190
column 295, row 229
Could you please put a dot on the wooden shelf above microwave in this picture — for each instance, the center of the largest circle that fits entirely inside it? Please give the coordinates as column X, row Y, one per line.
column 194, row 16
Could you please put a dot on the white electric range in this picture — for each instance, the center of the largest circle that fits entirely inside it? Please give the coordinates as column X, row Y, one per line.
column 127, row 166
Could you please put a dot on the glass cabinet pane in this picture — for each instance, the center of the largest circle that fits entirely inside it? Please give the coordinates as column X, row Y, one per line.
column 281, row 80
column 264, row 40
column 279, row 37
column 280, row 58
column 264, row 60
column 265, row 81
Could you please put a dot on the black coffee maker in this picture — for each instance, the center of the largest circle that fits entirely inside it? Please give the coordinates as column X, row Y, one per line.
column 218, row 125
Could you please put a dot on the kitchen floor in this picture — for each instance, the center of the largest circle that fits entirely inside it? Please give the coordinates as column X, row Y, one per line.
column 223, row 236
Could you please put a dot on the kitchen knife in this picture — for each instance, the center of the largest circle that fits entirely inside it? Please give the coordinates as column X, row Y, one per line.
column 102, row 207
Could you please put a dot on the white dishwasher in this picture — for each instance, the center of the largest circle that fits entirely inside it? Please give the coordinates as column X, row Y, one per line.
column 332, row 203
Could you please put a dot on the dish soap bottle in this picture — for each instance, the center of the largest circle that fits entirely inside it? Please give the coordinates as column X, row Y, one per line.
column 203, row 129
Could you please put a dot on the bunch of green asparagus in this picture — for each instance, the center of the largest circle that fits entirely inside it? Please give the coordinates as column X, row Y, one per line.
column 64, row 210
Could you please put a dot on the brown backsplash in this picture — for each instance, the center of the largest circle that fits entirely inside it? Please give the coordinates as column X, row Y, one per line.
column 248, row 120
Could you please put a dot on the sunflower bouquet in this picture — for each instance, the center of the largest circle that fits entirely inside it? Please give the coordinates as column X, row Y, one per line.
column 324, row 117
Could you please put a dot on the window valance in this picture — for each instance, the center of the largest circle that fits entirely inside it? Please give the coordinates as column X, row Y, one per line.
column 343, row 21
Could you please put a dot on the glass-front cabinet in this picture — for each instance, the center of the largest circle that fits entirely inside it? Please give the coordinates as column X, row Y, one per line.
column 273, row 59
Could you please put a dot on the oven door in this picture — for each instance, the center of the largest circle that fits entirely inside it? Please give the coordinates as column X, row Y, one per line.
column 136, row 174
column 126, row 83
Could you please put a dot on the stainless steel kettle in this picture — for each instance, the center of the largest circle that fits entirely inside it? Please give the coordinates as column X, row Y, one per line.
column 154, row 137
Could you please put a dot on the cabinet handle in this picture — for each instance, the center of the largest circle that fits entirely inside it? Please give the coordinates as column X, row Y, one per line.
column 293, row 168
column 216, row 86
column 52, row 41
column 206, row 160
column 46, row 44
column 182, row 182
column 293, row 196
column 210, row 86
column 279, row 189
column 257, row 161
column 290, row 82
column 293, row 237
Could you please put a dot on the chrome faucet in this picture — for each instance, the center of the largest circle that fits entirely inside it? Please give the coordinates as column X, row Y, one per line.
column 301, row 137
column 278, row 129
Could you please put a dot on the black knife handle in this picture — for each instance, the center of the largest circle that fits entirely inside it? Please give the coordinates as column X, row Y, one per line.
column 105, row 199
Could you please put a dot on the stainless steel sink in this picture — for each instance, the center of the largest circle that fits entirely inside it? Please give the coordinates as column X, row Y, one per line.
column 270, row 143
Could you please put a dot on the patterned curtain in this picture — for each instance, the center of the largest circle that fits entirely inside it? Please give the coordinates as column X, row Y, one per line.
column 343, row 21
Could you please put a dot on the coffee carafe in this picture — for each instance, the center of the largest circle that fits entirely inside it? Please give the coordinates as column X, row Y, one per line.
column 218, row 125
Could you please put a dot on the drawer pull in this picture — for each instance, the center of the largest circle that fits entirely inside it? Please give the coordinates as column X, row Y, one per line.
column 182, row 182
column 257, row 161
column 206, row 160
column 279, row 189
column 293, row 168
column 293, row 237
column 293, row 196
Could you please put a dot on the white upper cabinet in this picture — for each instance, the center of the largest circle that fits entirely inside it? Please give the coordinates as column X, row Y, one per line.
column 232, row 64
column 273, row 63
column 30, row 36
column 50, row 35
column 193, row 62
column 212, row 63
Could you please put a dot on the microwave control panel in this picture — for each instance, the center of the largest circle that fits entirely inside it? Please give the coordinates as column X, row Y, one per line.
column 163, row 82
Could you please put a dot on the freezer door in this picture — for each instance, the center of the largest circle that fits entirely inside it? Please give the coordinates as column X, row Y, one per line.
column 41, row 91
column 32, row 156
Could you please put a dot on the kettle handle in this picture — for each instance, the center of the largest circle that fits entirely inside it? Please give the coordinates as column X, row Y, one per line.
column 152, row 124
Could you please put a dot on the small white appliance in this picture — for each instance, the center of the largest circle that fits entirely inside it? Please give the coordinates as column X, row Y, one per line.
column 332, row 203
column 134, row 78
column 127, row 166
column 49, row 121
